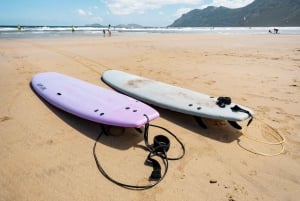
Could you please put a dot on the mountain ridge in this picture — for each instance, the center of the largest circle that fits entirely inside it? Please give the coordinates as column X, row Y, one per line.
column 258, row 13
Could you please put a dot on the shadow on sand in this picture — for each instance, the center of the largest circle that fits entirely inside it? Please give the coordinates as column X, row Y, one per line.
column 216, row 129
column 125, row 138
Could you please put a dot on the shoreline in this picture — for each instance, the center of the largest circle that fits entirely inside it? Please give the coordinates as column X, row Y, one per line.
column 46, row 154
column 56, row 32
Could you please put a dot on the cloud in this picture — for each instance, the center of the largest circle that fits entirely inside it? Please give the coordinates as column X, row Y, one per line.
column 124, row 7
column 82, row 12
column 231, row 3
column 217, row 3
column 182, row 11
column 89, row 15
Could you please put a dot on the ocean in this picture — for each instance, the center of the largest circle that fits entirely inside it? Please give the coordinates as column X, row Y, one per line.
column 79, row 31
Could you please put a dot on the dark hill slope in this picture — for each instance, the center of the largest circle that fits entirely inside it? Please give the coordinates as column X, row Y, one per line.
column 258, row 13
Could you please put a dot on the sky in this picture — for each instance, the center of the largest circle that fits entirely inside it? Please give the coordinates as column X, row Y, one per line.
column 159, row 13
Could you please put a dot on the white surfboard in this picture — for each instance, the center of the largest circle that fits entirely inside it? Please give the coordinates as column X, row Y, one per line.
column 174, row 98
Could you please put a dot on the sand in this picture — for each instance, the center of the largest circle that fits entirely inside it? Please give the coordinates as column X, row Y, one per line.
column 46, row 154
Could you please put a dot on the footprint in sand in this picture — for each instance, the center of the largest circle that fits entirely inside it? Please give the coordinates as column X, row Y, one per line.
column 5, row 118
column 211, row 82
column 264, row 109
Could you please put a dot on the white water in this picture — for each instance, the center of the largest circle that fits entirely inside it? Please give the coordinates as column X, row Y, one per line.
column 64, row 31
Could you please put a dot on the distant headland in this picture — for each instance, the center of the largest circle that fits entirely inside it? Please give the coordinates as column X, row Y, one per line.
column 260, row 13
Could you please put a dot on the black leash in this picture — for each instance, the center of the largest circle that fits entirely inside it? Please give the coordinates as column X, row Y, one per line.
column 237, row 108
column 223, row 101
column 159, row 149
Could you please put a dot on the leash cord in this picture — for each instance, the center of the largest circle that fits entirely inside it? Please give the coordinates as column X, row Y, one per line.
column 159, row 151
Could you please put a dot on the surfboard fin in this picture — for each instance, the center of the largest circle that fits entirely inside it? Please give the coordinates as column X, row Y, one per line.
column 235, row 125
column 200, row 122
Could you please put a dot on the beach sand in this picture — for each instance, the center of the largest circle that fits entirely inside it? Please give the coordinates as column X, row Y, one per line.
column 46, row 154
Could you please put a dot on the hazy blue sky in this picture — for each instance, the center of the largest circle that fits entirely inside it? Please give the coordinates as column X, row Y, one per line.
column 82, row 12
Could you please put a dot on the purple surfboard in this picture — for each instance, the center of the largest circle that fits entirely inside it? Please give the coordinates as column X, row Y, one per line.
column 91, row 102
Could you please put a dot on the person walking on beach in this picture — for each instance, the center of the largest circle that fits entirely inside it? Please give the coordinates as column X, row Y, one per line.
column 109, row 30
column 275, row 31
